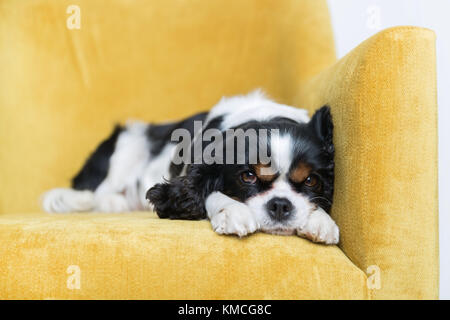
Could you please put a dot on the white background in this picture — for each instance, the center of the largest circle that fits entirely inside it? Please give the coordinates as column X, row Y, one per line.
column 356, row 20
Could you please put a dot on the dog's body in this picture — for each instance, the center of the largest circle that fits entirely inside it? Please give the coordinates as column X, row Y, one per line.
column 290, row 194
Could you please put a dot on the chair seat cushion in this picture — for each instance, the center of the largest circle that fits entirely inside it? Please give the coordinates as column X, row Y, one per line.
column 138, row 256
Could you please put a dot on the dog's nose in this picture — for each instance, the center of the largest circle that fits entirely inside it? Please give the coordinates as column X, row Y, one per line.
column 279, row 208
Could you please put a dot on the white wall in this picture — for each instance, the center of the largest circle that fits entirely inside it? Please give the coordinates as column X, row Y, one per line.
column 356, row 20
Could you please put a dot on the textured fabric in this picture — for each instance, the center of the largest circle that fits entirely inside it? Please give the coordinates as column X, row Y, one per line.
column 62, row 91
column 139, row 256
column 151, row 60
column 383, row 101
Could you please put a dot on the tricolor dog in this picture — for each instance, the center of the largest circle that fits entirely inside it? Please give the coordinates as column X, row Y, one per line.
column 276, row 175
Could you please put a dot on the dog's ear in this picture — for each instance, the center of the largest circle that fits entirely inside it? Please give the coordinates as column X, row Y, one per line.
column 177, row 199
column 322, row 124
column 184, row 197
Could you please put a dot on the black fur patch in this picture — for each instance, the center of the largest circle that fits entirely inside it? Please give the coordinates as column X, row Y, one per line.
column 96, row 167
column 160, row 134
column 175, row 169
column 184, row 197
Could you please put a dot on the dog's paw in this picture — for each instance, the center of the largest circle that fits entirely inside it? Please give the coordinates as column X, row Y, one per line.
column 235, row 218
column 320, row 228
column 112, row 203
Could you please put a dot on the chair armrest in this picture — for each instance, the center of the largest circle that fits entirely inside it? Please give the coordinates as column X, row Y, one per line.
column 383, row 101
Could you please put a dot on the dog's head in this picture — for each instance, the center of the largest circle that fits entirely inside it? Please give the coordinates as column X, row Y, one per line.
column 280, row 193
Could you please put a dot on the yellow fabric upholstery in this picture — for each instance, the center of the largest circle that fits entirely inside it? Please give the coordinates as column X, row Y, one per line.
column 139, row 256
column 62, row 91
column 383, row 101
column 156, row 60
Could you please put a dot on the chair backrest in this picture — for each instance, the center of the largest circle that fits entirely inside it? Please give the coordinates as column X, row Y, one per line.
column 63, row 88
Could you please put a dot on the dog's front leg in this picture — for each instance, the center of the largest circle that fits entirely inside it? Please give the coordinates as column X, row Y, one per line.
column 229, row 216
column 320, row 227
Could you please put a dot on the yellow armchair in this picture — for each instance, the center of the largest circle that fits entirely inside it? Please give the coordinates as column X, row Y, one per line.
column 63, row 89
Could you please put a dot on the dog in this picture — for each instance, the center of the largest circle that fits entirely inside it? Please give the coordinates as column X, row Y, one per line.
column 275, row 176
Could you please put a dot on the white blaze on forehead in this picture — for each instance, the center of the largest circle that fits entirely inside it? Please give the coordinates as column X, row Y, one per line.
column 281, row 152
column 281, row 187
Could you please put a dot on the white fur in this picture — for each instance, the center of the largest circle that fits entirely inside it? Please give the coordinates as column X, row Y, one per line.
column 229, row 216
column 307, row 219
column 281, row 189
column 281, row 151
column 320, row 228
column 112, row 202
column 253, row 106
column 68, row 200
column 118, row 192
column 156, row 171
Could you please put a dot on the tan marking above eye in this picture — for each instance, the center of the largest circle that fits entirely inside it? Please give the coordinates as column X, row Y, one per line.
column 300, row 173
column 264, row 172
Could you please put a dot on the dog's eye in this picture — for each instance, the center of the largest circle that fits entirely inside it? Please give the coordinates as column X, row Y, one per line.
column 311, row 180
column 248, row 177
